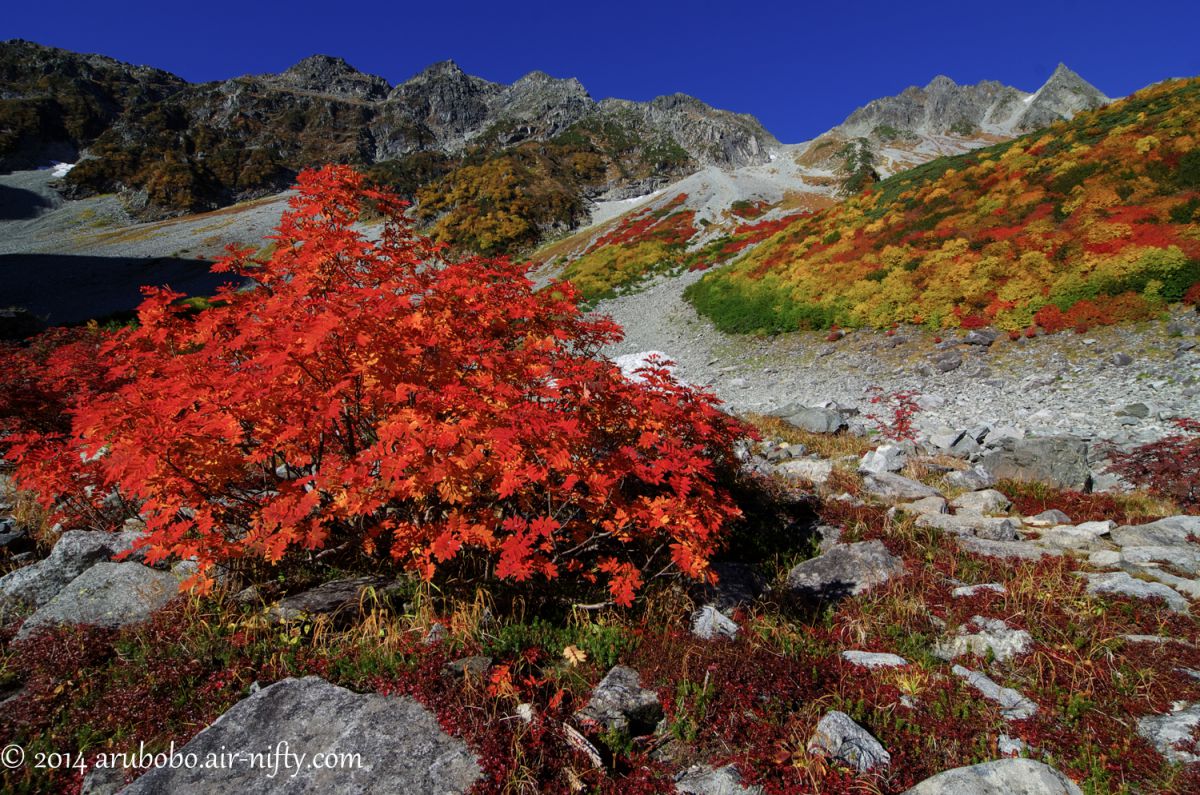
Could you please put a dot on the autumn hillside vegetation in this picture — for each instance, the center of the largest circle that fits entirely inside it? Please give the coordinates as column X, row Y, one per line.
column 379, row 403
column 1090, row 221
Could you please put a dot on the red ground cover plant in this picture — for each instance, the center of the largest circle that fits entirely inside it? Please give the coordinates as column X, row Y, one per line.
column 899, row 427
column 1168, row 467
column 372, row 397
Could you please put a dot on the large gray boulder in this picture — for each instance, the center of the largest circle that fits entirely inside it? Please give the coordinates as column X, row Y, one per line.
column 845, row 570
column 106, row 595
column 1059, row 461
column 993, row 528
column 381, row 744
column 75, row 552
column 1002, row 777
column 619, row 703
column 891, row 487
column 817, row 420
column 1119, row 582
column 1168, row 532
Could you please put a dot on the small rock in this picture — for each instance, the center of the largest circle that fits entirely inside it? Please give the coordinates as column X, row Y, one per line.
column 705, row 780
column 474, row 667
column 896, row 488
column 1010, row 746
column 871, row 659
column 981, row 336
column 1013, row 705
column 620, row 704
column 1167, row 732
column 1021, row 550
column 1139, row 410
column 845, row 570
column 971, row 590
column 436, row 634
column 1048, row 518
column 971, row 479
column 839, row 737
column 1120, row 360
column 948, row 361
column 924, row 505
column 983, row 635
column 988, row 527
column 1119, row 582
column 885, row 458
column 987, row 501
column 709, row 623
column 816, row 470
column 818, row 420
column 334, row 599
column 1001, row 777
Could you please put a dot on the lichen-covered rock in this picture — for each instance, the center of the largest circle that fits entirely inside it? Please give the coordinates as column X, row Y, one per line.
column 891, row 487
column 1013, row 705
column 839, row 737
column 873, row 659
column 1060, row 461
column 705, row 780
column 845, row 570
column 619, row 703
column 74, row 553
column 106, row 595
column 1119, row 582
column 984, row 501
column 709, row 623
column 1173, row 733
column 399, row 744
column 982, row 636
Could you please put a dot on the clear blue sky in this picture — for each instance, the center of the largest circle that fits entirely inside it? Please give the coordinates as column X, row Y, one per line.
column 799, row 67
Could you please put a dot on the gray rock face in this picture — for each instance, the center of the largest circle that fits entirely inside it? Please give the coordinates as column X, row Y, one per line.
column 1049, row 518
column 891, row 487
column 75, row 552
column 1171, row 531
column 705, row 780
column 1167, row 732
column 1013, row 705
column 1020, row 550
column 943, row 107
column 106, row 595
column 817, row 420
column 1060, row 461
column 400, row 746
column 885, row 458
column 845, row 570
column 839, row 737
column 985, row 501
column 331, row 599
column 709, row 623
column 325, row 74
column 988, row 527
column 1118, row 582
column 1002, row 777
column 620, row 704
column 1063, row 95
column 983, row 635
column 872, row 659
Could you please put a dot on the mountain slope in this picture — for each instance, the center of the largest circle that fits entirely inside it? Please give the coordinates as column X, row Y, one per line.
column 1089, row 221
column 192, row 147
column 54, row 102
column 716, row 215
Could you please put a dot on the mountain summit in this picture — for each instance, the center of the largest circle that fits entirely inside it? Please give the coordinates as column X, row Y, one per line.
column 989, row 107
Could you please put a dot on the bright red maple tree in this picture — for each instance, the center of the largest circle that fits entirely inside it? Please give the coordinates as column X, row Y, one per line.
column 369, row 394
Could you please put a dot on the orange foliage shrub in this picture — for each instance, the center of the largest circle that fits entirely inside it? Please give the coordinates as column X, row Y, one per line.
column 369, row 395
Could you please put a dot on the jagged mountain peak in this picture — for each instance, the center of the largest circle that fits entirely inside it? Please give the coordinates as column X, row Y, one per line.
column 329, row 74
column 989, row 107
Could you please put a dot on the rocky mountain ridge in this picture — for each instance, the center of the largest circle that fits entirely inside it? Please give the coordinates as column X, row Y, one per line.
column 988, row 107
